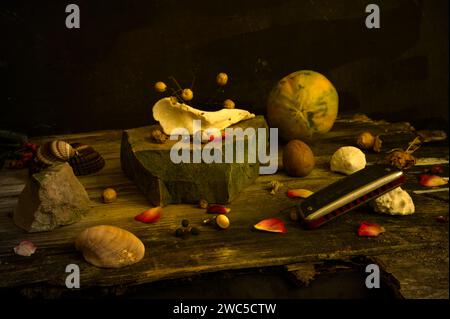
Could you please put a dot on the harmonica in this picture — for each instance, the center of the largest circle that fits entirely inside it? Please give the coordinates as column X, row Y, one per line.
column 348, row 194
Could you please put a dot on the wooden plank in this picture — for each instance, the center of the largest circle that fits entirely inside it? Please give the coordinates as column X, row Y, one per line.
column 238, row 247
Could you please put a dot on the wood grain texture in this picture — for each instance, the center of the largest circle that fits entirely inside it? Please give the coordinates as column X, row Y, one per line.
column 240, row 246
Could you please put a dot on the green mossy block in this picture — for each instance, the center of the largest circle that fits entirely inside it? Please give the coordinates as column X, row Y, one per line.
column 163, row 182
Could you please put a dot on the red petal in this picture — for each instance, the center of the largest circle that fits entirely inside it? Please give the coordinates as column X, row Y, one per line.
column 302, row 193
column 367, row 229
column 432, row 180
column 217, row 209
column 149, row 216
column 274, row 225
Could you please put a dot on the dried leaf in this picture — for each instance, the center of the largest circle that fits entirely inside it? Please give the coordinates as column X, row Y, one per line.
column 274, row 225
column 299, row 192
column 25, row 248
column 367, row 229
column 151, row 215
column 432, row 180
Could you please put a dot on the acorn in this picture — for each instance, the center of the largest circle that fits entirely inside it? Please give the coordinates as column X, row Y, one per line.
column 109, row 195
column 298, row 158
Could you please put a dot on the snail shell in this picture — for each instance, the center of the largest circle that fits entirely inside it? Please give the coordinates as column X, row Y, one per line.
column 55, row 152
column 61, row 150
column 109, row 246
column 86, row 160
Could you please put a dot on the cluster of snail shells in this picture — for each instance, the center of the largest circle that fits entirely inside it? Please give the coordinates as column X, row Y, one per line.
column 55, row 152
column 109, row 246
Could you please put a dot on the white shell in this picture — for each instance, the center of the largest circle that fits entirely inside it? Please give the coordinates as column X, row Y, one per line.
column 109, row 246
column 171, row 114
column 395, row 202
column 348, row 160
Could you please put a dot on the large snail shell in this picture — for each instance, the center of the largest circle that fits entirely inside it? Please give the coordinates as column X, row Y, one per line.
column 86, row 160
column 109, row 246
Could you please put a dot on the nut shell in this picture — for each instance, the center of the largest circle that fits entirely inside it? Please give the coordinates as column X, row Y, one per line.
column 298, row 158
column 109, row 246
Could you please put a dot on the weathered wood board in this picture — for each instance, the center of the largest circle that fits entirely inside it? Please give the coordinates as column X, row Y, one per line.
column 240, row 246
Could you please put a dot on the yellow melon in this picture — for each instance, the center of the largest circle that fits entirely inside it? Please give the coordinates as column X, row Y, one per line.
column 303, row 105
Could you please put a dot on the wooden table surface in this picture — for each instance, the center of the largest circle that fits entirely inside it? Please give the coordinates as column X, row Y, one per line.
column 412, row 253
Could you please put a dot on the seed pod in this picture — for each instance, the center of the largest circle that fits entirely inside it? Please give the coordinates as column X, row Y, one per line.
column 222, row 79
column 365, row 140
column 203, row 204
column 228, row 104
column 160, row 87
column 185, row 223
column 187, row 94
column 109, row 195
column 222, row 221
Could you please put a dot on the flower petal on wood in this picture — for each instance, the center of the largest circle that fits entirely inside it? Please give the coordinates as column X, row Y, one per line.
column 367, row 229
column 274, row 225
column 151, row 215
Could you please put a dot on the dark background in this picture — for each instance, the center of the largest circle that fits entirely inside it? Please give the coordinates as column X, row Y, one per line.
column 101, row 76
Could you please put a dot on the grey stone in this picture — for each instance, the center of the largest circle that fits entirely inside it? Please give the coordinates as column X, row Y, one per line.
column 163, row 182
column 51, row 198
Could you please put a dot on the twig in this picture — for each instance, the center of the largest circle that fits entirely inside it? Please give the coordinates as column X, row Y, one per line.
column 434, row 190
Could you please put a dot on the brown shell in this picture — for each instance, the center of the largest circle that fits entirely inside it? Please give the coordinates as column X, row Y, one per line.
column 86, row 160
column 109, row 246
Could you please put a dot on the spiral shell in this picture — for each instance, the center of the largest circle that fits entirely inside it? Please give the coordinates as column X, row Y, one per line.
column 109, row 246
column 86, row 160
column 54, row 152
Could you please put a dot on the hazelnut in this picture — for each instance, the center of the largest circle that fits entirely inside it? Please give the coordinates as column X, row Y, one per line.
column 365, row 140
column 109, row 195
column 298, row 159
